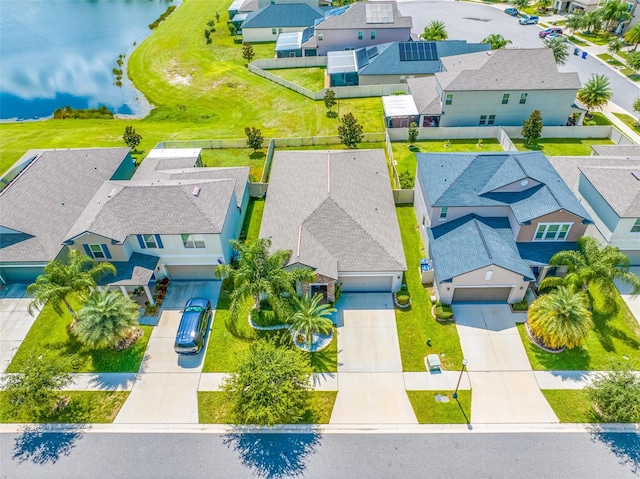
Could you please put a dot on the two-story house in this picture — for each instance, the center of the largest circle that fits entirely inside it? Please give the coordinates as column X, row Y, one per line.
column 497, row 87
column 267, row 23
column 490, row 222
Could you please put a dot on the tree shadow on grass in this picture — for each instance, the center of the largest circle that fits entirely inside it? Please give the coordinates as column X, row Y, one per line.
column 258, row 155
column 332, row 114
column 274, row 455
column 45, row 445
column 626, row 446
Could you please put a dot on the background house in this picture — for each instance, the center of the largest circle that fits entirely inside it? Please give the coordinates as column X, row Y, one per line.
column 334, row 211
column 491, row 222
column 266, row 23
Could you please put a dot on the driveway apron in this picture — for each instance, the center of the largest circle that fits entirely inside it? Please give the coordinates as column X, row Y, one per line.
column 165, row 390
column 370, row 381
column 15, row 321
column 504, row 386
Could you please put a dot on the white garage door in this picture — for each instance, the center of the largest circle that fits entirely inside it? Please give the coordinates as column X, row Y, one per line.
column 191, row 272
column 365, row 284
column 481, row 295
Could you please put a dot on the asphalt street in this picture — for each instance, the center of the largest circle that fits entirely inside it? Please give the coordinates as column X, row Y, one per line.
column 473, row 22
column 78, row 454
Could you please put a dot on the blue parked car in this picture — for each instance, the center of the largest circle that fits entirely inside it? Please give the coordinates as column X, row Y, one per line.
column 193, row 326
column 512, row 11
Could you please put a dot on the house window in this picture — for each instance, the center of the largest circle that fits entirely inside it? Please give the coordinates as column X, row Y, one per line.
column 505, row 98
column 552, row 231
column 274, row 31
column 193, row 241
column 488, row 275
column 636, row 226
column 320, row 36
column 523, row 98
column 373, row 34
column 279, row 30
column 443, row 213
column 483, row 120
column 150, row 241
column 96, row 251
column 491, row 120
column 359, row 35
column 449, row 99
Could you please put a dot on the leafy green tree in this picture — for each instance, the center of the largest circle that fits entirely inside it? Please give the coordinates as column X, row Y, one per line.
column 633, row 61
column 632, row 37
column 575, row 22
column 271, row 386
column 435, row 31
column 593, row 264
column 37, row 388
column 613, row 12
column 329, row 100
column 636, row 107
column 532, row 128
column 310, row 317
column 543, row 5
column 254, row 138
column 105, row 319
column 496, row 41
column 596, row 93
column 616, row 395
column 560, row 50
column 60, row 281
column 614, row 46
column 413, row 133
column 350, row 131
column 131, row 138
column 561, row 318
column 259, row 273
column 247, row 52
column 233, row 28
column 520, row 4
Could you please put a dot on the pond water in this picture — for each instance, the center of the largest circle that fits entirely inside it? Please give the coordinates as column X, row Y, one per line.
column 55, row 53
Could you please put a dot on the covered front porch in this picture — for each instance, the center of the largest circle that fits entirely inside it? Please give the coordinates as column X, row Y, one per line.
column 135, row 278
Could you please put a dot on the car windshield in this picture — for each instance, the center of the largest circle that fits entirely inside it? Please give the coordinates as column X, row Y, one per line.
column 193, row 308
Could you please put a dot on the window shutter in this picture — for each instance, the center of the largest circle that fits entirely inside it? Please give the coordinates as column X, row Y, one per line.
column 141, row 241
column 105, row 250
column 87, row 250
column 159, row 242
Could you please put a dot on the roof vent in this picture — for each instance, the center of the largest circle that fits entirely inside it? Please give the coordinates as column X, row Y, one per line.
column 112, row 192
column 196, row 191
column 636, row 174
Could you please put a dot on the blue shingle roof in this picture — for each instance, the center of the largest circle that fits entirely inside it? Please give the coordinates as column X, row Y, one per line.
column 472, row 180
column 538, row 253
column 472, row 242
column 283, row 15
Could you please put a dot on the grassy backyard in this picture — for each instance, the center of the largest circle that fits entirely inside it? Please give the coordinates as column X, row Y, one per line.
column 563, row 146
column 430, row 411
column 615, row 338
column 236, row 157
column 252, row 219
column 212, row 408
column 571, row 405
column 416, row 324
column 83, row 407
column 630, row 121
column 309, row 78
column 50, row 332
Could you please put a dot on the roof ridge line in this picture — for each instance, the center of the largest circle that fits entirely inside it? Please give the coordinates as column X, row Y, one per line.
column 484, row 243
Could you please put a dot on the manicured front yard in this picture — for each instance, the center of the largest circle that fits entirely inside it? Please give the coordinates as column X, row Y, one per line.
column 563, row 146
column 83, row 407
column 430, row 411
column 50, row 332
column 309, row 78
column 615, row 338
column 416, row 324
column 212, row 408
column 630, row 121
column 571, row 405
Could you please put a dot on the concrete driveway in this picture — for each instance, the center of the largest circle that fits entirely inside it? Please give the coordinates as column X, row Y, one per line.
column 370, row 381
column 166, row 386
column 15, row 321
column 632, row 301
column 505, row 389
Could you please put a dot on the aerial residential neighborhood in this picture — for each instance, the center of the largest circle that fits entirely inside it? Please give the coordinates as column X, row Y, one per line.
column 314, row 238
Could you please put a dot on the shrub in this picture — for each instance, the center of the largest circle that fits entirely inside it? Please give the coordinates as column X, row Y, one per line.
column 521, row 305
column 443, row 311
column 65, row 112
column 162, row 17
column 616, row 396
column 403, row 298
column 407, row 180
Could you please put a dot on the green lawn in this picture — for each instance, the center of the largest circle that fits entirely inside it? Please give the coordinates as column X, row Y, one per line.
column 430, row 411
column 236, row 157
column 630, row 121
column 563, row 146
column 83, row 407
column 212, row 408
column 571, row 405
column 598, row 119
column 309, row 78
column 577, row 41
column 50, row 332
column 598, row 39
column 621, row 67
column 416, row 324
column 406, row 158
column 253, row 219
column 616, row 334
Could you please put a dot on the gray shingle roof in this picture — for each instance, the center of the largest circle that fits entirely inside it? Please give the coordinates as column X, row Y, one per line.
column 629, row 151
column 283, row 15
column 471, row 180
column 472, row 242
column 50, row 196
column 337, row 205
column 425, row 95
column 355, row 17
column 505, row 70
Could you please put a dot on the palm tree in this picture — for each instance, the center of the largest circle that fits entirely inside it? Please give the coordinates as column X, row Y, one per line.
column 105, row 319
column 260, row 273
column 561, row 318
column 632, row 37
column 593, row 264
column 543, row 5
column 496, row 41
column 560, row 50
column 596, row 93
column 614, row 47
column 592, row 21
column 310, row 317
column 614, row 12
column 59, row 281
column 435, row 31
column 575, row 22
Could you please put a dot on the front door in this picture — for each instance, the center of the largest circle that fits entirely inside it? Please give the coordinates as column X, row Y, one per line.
column 319, row 289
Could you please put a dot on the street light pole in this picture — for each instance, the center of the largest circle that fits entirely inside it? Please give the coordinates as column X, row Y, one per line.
column 464, row 365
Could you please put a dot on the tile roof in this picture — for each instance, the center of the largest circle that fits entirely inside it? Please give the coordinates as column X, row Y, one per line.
column 283, row 15
column 49, row 196
column 484, row 241
column 334, row 210
column 477, row 180
column 506, row 70
column 355, row 16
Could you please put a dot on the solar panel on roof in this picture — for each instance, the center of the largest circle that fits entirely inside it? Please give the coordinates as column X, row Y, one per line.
column 417, row 51
column 379, row 13
column 372, row 52
column 362, row 58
